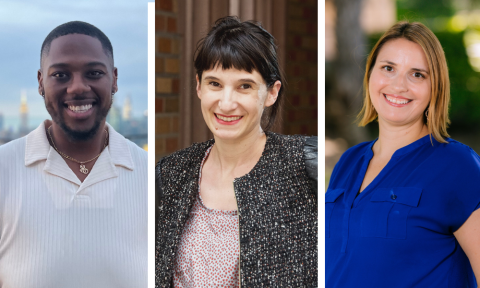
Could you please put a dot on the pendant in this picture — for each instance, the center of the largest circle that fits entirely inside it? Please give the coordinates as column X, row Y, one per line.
column 83, row 169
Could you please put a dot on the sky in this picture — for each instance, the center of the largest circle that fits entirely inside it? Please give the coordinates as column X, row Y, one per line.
column 25, row 24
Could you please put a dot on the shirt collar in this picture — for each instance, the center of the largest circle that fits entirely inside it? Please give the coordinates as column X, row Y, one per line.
column 37, row 147
column 406, row 149
column 119, row 150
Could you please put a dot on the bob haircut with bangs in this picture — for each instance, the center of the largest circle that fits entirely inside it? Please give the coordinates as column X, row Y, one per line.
column 243, row 46
column 437, row 117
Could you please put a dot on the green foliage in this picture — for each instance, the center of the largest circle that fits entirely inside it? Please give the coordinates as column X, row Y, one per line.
column 414, row 10
column 464, row 81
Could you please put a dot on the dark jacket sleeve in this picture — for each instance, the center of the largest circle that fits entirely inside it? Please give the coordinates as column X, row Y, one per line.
column 158, row 195
column 158, row 180
column 310, row 154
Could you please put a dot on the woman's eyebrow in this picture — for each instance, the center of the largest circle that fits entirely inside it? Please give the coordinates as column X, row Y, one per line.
column 421, row 70
column 248, row 80
column 388, row 62
column 211, row 78
column 414, row 69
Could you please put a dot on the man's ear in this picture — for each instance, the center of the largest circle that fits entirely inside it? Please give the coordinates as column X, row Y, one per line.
column 115, row 77
column 199, row 88
column 41, row 90
column 272, row 93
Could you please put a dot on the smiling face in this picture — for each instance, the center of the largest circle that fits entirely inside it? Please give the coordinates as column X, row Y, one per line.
column 400, row 83
column 233, row 100
column 77, row 79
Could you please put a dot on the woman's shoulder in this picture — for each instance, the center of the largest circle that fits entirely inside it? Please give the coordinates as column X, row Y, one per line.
column 288, row 139
column 306, row 145
column 185, row 156
column 178, row 164
column 310, row 155
column 458, row 153
column 457, row 146
column 299, row 147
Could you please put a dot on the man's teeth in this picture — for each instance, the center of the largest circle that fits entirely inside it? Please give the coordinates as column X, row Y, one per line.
column 228, row 119
column 80, row 109
column 397, row 101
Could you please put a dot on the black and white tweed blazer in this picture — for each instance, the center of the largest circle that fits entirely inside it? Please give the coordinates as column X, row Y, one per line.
column 277, row 208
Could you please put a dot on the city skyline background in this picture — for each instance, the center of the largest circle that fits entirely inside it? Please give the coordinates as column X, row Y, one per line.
column 23, row 27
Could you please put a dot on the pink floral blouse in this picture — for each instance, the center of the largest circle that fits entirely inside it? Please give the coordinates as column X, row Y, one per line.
column 208, row 253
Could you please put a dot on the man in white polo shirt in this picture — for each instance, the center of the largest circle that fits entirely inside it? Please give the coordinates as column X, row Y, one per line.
column 73, row 193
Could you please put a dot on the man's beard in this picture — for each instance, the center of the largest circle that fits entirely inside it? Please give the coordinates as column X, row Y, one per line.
column 78, row 136
column 75, row 135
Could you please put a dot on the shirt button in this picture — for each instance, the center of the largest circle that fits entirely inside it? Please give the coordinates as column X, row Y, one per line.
column 393, row 196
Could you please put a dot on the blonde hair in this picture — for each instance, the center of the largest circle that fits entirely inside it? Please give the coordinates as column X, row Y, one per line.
column 437, row 117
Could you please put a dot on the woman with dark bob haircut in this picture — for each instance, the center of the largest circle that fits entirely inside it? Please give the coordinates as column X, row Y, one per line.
column 240, row 209
column 401, row 211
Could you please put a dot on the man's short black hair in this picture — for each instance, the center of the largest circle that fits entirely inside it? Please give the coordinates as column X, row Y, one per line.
column 76, row 27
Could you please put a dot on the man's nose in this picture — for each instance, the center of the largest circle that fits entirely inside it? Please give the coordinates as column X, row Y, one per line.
column 78, row 85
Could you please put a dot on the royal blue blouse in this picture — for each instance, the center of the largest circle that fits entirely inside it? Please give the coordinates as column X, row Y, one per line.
column 399, row 231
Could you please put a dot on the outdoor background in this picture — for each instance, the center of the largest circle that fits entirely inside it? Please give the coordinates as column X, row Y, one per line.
column 352, row 27
column 23, row 27
column 179, row 24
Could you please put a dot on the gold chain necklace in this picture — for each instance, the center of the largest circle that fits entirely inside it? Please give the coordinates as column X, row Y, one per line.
column 83, row 169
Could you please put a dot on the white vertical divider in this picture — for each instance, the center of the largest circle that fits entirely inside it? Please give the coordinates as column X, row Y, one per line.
column 321, row 143
column 151, row 144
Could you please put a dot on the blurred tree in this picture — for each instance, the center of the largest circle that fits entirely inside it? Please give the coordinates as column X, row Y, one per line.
column 465, row 82
column 414, row 10
column 465, row 85
column 345, row 74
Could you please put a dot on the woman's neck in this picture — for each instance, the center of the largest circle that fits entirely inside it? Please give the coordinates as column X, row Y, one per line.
column 238, row 157
column 392, row 138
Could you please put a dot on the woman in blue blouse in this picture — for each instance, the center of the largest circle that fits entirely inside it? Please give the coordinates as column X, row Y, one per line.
column 401, row 211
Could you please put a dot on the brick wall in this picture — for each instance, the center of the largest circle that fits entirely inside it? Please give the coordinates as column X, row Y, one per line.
column 167, row 74
column 301, row 103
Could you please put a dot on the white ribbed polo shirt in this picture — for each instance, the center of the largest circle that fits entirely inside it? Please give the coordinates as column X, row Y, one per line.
column 56, row 231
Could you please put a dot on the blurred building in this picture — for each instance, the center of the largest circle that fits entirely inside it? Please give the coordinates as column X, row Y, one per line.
column 132, row 127
column 8, row 134
column 114, row 117
column 23, row 128
column 180, row 24
column 127, row 108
